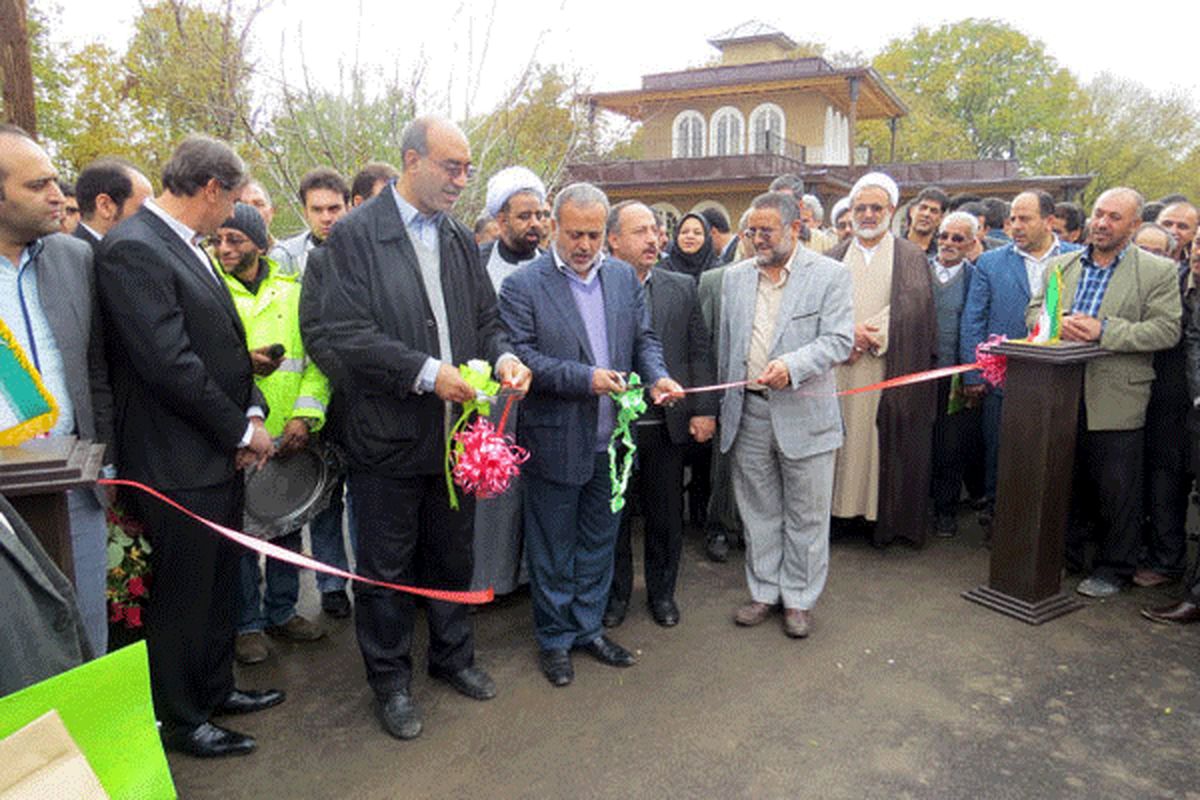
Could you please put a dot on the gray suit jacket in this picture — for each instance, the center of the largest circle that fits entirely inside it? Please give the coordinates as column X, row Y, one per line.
column 814, row 331
column 41, row 633
column 67, row 288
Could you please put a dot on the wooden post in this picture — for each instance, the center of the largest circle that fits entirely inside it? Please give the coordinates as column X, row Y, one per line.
column 1042, row 391
column 852, row 133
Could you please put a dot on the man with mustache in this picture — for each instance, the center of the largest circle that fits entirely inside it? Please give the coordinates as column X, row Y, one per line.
column 404, row 303
column 662, row 433
column 579, row 320
column 786, row 321
column 883, row 470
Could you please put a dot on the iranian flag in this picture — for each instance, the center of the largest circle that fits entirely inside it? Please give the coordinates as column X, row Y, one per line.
column 1046, row 331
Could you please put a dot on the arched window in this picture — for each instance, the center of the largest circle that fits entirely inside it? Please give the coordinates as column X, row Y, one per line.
column 671, row 215
column 688, row 139
column 727, row 133
column 767, row 130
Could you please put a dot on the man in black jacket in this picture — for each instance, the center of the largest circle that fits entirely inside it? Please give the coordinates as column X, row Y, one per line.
column 405, row 301
column 662, row 433
column 188, row 419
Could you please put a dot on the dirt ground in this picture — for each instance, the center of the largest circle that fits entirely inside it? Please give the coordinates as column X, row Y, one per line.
column 903, row 690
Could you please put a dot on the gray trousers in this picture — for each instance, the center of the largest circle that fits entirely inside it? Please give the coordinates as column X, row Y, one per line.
column 785, row 505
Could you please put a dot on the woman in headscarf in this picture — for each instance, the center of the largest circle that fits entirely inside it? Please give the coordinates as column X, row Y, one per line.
column 691, row 250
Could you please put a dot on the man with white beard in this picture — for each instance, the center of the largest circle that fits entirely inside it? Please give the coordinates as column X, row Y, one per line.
column 883, row 470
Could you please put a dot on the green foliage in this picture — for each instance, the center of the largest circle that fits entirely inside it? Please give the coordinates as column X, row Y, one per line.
column 1127, row 136
column 981, row 89
column 542, row 129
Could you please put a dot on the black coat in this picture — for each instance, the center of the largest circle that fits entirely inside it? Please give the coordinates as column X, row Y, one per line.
column 675, row 316
column 376, row 329
column 178, row 361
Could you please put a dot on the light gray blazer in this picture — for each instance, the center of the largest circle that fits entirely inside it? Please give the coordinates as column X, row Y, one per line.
column 815, row 331
column 67, row 290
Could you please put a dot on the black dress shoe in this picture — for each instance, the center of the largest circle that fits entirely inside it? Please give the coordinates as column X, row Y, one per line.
column 556, row 666
column 336, row 604
column 614, row 615
column 665, row 613
column 717, row 548
column 208, row 741
column 606, row 651
column 246, row 701
column 470, row 681
column 399, row 715
column 1184, row 612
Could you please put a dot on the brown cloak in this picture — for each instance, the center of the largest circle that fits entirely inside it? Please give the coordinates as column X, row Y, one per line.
column 906, row 414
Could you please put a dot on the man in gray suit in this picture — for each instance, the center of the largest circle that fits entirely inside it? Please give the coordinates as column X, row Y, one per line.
column 48, row 301
column 786, row 320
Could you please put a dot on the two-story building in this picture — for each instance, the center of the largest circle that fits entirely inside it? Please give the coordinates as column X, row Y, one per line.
column 718, row 135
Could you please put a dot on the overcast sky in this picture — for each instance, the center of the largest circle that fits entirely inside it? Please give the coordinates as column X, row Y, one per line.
column 612, row 43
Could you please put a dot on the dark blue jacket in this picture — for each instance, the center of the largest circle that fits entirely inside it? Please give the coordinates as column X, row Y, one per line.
column 558, row 418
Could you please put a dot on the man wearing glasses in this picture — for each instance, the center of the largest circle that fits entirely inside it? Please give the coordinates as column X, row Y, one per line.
column 405, row 301
column 786, row 321
column 883, row 471
column 951, row 271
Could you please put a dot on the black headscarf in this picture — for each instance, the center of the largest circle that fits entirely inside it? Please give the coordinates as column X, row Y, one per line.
column 692, row 263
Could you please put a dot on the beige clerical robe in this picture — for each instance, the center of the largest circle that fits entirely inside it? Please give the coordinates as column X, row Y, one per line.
column 856, row 474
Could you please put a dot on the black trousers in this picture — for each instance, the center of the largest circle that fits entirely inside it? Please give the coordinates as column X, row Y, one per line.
column 1106, row 500
column 408, row 534
column 659, row 484
column 957, row 438
column 193, row 602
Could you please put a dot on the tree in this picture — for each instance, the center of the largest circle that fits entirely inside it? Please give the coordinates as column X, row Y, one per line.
column 1128, row 136
column 16, row 68
column 188, row 71
column 542, row 128
column 984, row 83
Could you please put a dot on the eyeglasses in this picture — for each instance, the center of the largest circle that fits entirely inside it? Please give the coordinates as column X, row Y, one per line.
column 957, row 238
column 232, row 239
column 766, row 233
column 457, row 168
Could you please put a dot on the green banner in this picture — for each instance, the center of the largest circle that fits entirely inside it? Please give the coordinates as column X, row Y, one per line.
column 106, row 707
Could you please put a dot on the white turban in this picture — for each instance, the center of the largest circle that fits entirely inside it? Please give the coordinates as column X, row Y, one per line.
column 838, row 208
column 878, row 180
column 509, row 181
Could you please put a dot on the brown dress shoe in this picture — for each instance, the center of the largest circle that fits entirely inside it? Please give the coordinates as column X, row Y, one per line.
column 796, row 622
column 751, row 614
column 297, row 629
column 1184, row 612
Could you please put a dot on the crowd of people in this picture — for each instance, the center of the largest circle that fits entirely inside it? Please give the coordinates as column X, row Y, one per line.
column 178, row 331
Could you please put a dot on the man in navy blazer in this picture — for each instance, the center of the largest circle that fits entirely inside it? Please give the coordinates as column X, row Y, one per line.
column 579, row 322
column 996, row 305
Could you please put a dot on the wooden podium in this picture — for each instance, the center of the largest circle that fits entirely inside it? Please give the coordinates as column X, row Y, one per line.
column 35, row 477
column 1038, row 422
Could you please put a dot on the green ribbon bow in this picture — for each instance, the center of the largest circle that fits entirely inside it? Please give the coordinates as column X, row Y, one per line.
column 479, row 375
column 631, row 403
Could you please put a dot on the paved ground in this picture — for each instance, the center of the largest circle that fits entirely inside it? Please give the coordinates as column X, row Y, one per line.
column 903, row 690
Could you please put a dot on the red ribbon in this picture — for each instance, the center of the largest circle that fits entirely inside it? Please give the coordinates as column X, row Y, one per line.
column 890, row 383
column 297, row 559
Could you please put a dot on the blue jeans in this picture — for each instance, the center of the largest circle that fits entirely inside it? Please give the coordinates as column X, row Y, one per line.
column 256, row 609
column 325, row 533
column 570, row 539
column 89, row 557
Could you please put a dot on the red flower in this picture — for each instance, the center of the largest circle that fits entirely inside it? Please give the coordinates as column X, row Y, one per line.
column 115, row 612
column 136, row 587
column 133, row 616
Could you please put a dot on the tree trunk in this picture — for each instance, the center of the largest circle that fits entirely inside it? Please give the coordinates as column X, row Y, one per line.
column 16, row 69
